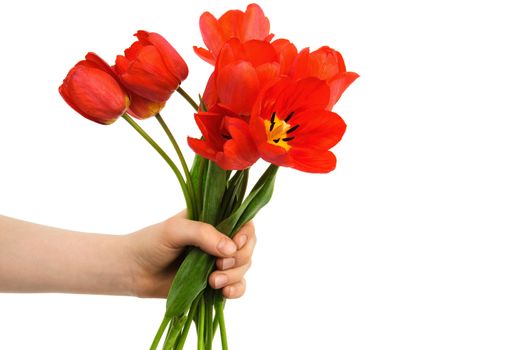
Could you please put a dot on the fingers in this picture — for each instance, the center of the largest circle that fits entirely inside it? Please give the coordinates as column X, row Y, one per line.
column 245, row 240
column 235, row 290
column 231, row 270
column 229, row 278
column 182, row 232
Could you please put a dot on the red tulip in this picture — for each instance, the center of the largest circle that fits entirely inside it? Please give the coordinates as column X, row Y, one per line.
column 292, row 127
column 244, row 26
column 326, row 64
column 92, row 89
column 151, row 67
column 226, row 139
column 242, row 70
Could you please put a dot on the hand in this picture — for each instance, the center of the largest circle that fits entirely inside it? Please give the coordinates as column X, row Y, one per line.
column 157, row 252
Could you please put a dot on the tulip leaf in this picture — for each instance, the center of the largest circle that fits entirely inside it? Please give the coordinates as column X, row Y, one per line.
column 198, row 173
column 190, row 279
column 234, row 193
column 259, row 196
column 214, row 187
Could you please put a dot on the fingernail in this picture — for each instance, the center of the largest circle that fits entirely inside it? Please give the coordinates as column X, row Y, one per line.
column 227, row 247
column 220, row 281
column 228, row 263
column 242, row 241
column 231, row 290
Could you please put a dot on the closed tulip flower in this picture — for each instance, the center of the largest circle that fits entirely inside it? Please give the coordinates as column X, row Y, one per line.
column 151, row 67
column 92, row 90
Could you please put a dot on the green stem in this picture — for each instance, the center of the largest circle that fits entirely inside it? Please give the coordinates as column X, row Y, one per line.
column 184, row 187
column 202, row 315
column 185, row 168
column 215, row 324
column 209, row 318
column 188, row 98
column 173, row 334
column 187, row 325
column 160, row 332
column 222, row 324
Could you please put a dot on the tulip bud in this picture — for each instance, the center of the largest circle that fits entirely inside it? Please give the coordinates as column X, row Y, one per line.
column 92, row 90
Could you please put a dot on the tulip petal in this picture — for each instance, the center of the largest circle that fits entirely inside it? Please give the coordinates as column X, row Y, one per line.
column 142, row 108
column 238, row 86
column 147, row 76
column 204, row 54
column 259, row 52
column 174, row 63
column 274, row 154
column 244, row 146
column 255, row 25
column 318, row 129
column 287, row 53
column 312, row 161
column 202, row 148
column 324, row 63
column 230, row 24
column 338, row 85
column 211, row 33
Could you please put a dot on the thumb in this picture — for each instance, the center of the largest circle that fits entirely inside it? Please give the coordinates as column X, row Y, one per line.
column 182, row 232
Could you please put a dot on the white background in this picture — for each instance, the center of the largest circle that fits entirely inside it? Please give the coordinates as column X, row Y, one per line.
column 416, row 241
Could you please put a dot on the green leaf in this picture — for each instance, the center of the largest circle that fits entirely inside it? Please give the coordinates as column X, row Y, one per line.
column 259, row 196
column 198, row 177
column 214, row 187
column 189, row 281
column 234, row 193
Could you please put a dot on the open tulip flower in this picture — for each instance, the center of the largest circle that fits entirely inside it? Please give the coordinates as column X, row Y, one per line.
column 264, row 100
column 292, row 128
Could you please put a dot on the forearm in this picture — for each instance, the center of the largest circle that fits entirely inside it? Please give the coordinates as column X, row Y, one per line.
column 36, row 258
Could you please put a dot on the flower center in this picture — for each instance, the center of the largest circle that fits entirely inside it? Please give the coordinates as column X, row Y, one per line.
column 278, row 131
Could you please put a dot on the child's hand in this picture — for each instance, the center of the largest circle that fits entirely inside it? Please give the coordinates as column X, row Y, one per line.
column 156, row 252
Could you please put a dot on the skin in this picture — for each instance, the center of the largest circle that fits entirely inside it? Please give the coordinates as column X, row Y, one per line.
column 39, row 259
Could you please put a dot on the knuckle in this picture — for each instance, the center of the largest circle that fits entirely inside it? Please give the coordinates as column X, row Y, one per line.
column 205, row 230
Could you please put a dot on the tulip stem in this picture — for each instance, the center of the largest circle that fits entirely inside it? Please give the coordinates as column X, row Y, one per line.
column 219, row 309
column 188, row 98
column 187, row 325
column 173, row 166
column 185, row 168
column 160, row 332
column 201, row 342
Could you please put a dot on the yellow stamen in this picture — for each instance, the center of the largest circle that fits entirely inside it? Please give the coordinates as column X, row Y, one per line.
column 276, row 132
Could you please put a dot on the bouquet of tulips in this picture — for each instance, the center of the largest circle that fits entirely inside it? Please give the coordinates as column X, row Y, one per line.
column 265, row 99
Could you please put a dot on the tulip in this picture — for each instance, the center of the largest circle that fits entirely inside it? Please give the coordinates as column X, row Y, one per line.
column 92, row 89
column 326, row 64
column 244, row 26
column 226, row 139
column 151, row 68
column 292, row 127
column 241, row 72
